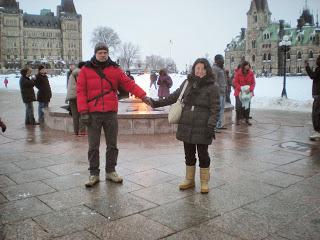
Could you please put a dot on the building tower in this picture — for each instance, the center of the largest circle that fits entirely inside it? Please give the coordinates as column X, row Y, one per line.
column 258, row 19
column 11, row 32
column 71, row 31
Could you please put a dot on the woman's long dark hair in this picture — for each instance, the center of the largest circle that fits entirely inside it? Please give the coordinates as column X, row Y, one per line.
column 207, row 67
column 244, row 63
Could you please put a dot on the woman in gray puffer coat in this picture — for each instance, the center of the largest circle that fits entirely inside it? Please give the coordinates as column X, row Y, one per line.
column 198, row 119
column 78, row 127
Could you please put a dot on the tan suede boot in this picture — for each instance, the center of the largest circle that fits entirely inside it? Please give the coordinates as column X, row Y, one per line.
column 189, row 181
column 204, row 178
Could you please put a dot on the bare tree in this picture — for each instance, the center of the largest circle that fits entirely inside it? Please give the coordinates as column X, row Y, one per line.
column 170, row 65
column 155, row 62
column 106, row 35
column 128, row 54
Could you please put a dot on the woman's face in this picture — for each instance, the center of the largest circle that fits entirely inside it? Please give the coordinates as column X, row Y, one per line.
column 29, row 72
column 199, row 70
column 247, row 67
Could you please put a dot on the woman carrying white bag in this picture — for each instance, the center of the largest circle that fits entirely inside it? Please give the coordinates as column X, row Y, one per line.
column 196, row 125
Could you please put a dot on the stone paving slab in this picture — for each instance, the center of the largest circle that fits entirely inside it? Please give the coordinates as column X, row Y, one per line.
column 83, row 235
column 22, row 209
column 71, row 220
column 132, row 227
column 31, row 175
column 264, row 183
column 118, row 205
column 26, row 190
column 26, row 230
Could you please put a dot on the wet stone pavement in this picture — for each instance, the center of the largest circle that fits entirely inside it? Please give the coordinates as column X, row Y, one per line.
column 265, row 183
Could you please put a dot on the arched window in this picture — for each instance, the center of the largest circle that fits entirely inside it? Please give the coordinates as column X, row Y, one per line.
column 253, row 58
column 255, row 17
column 269, row 56
column 264, row 56
column 232, row 59
column 310, row 54
column 288, row 56
column 299, row 55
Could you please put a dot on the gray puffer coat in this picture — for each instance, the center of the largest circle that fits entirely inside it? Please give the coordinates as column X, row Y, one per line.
column 199, row 114
column 72, row 85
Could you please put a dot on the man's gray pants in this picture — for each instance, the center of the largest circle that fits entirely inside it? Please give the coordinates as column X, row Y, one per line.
column 109, row 122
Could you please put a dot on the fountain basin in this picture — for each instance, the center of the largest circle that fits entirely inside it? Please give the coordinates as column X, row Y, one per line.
column 134, row 117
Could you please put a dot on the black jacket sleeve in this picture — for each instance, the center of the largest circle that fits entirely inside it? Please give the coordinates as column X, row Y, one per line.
column 313, row 75
column 171, row 99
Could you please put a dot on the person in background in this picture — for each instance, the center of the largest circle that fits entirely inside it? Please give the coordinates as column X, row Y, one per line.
column 128, row 73
column 243, row 77
column 153, row 79
column 3, row 126
column 78, row 126
column 27, row 94
column 44, row 91
column 218, row 70
column 196, row 127
column 97, row 86
column 229, row 86
column 315, row 77
column 165, row 83
column 72, row 66
column 6, row 81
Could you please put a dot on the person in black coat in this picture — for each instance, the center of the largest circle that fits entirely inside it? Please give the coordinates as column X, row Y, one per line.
column 315, row 76
column 44, row 91
column 27, row 94
column 196, row 127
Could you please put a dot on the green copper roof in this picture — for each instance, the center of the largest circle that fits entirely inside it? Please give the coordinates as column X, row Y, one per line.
column 303, row 37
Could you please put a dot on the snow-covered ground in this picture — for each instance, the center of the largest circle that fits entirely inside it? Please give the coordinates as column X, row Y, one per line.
column 267, row 92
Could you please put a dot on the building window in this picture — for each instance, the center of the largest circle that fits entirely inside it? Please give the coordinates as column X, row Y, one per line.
column 298, row 69
column 255, row 18
column 8, row 56
column 310, row 54
column 243, row 58
column 264, row 57
column 269, row 56
column 232, row 59
column 253, row 43
column 299, row 55
column 288, row 56
column 253, row 58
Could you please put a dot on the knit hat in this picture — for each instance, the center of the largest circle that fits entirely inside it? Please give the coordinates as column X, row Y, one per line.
column 218, row 57
column 100, row 46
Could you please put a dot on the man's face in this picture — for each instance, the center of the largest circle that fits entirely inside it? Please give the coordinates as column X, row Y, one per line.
column 72, row 67
column 102, row 55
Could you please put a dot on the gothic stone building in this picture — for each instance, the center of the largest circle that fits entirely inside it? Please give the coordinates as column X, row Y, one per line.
column 259, row 43
column 45, row 38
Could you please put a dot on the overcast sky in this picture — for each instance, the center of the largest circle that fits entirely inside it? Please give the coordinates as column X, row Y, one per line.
column 194, row 27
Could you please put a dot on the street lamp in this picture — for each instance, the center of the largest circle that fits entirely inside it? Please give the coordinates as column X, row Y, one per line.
column 284, row 46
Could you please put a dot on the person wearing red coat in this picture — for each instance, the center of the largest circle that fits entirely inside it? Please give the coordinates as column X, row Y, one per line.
column 243, row 76
column 97, row 100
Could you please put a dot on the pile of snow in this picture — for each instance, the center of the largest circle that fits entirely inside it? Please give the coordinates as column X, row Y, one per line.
column 267, row 91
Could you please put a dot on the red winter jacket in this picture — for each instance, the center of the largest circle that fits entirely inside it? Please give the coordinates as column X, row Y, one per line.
column 241, row 80
column 90, row 84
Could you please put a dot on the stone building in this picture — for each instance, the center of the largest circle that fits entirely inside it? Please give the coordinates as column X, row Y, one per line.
column 45, row 38
column 259, row 42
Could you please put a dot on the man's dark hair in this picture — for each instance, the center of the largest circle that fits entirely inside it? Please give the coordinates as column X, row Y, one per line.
column 24, row 71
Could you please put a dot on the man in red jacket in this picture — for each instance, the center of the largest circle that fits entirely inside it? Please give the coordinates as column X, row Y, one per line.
column 97, row 100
